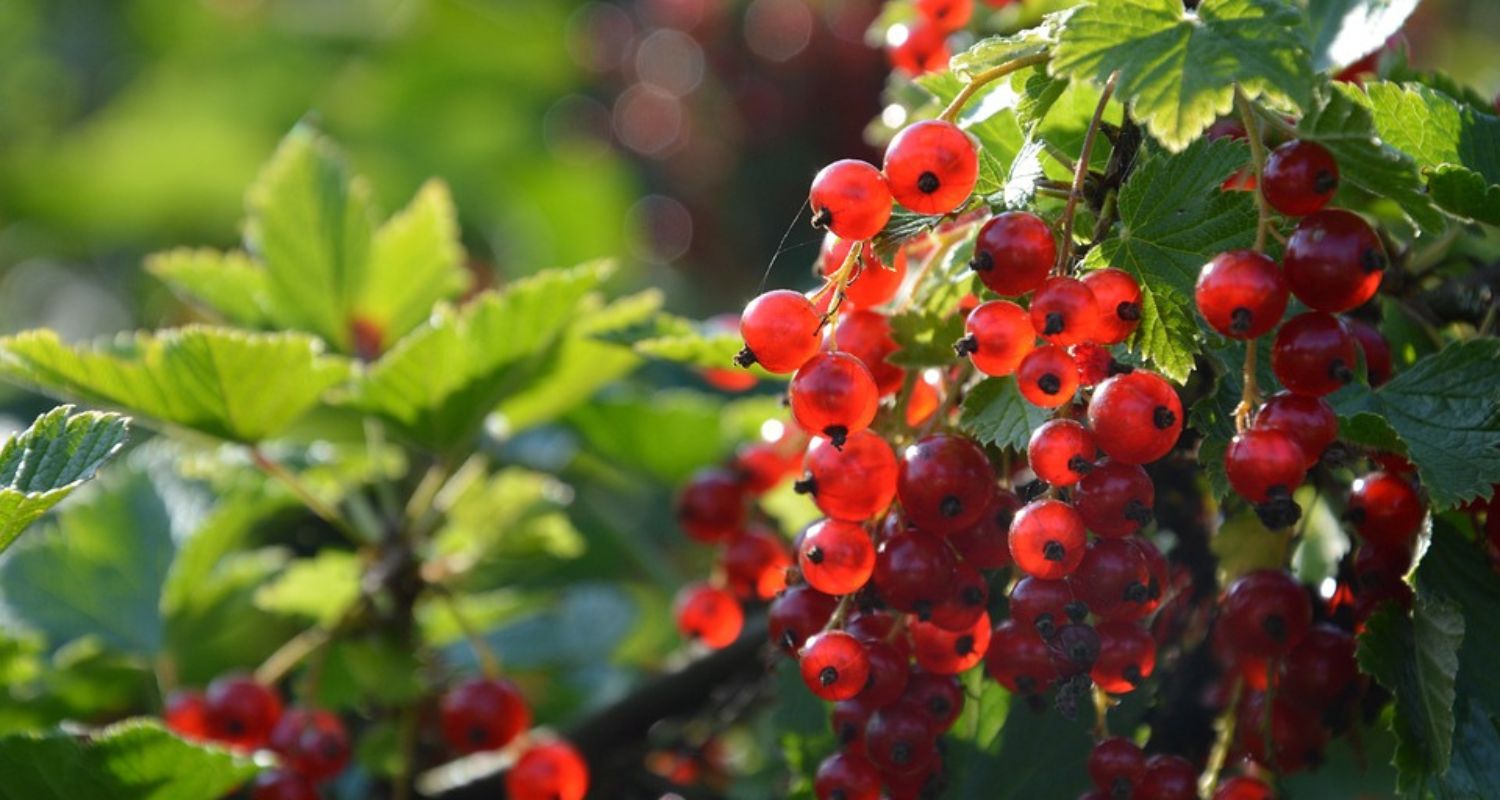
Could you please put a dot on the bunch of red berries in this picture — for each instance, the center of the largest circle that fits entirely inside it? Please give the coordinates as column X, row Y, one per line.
column 921, row 45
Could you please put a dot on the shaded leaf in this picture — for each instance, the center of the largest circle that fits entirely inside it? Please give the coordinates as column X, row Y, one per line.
column 994, row 412
column 320, row 588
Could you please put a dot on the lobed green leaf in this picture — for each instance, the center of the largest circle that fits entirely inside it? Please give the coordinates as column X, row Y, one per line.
column 46, row 462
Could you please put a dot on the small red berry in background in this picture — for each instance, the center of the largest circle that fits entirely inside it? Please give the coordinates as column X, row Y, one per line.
column 1313, row 354
column 1386, row 510
column 312, row 742
column 1014, row 253
column 874, row 283
column 950, row 15
column 239, row 712
column 278, row 784
column 1309, row 420
column 712, row 506
column 548, row 771
column 186, row 715
column 1266, row 613
column 1299, row 178
column 866, row 335
column 1334, row 261
column 483, row 714
column 845, row 776
column 709, row 615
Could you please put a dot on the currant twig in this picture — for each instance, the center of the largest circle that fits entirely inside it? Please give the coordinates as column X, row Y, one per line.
column 322, row 510
column 489, row 663
column 987, row 77
column 1080, row 173
column 1222, row 741
column 1258, row 161
column 1250, row 396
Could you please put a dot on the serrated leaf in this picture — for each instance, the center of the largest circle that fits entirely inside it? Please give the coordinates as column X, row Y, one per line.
column 46, row 462
column 132, row 760
column 415, row 263
column 994, row 412
column 1446, row 411
column 228, row 284
column 1025, row 171
column 1040, row 754
column 996, row 50
column 510, row 515
column 1173, row 219
column 667, row 435
column 1344, row 31
column 320, row 588
column 925, row 338
column 1455, row 145
column 1178, row 68
column 1464, row 193
column 231, row 384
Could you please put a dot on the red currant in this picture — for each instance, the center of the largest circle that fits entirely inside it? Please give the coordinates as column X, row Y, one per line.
column 1075, row 649
column 926, row 396
column 1113, row 579
column 1313, row 354
column 1116, row 765
column 950, row 15
column 966, row 599
column 986, row 545
column 833, row 394
column 1386, row 510
column 1061, row 452
column 762, row 466
column 712, row 506
column 866, row 335
column 239, row 712
column 945, row 483
column 797, row 614
column 850, row 199
column 1047, row 539
column 1266, row 614
column 1019, row 660
column 946, row 652
column 1014, row 253
column 279, row 784
column 549, row 771
column 1168, row 777
column 1095, row 363
column 709, row 615
column 1320, row 669
column 1334, row 261
column 1136, row 418
column 889, row 671
column 912, row 571
column 931, row 167
column 1043, row 606
column 1241, row 293
column 186, row 715
column 999, row 336
column 1264, row 463
column 1297, row 734
column 1310, row 422
column 1299, row 178
column 1244, row 787
column 781, row 329
column 853, row 483
column 312, row 742
column 874, row 283
column 843, row 776
column 1115, row 498
column 1119, row 304
column 899, row 741
column 1376, row 349
column 939, row 697
column 849, row 719
column 1127, row 657
column 1047, row 376
column 483, row 714
column 835, row 665
column 1156, row 567
column 1064, row 311
column 755, row 565
column 836, row 557
column 925, row 49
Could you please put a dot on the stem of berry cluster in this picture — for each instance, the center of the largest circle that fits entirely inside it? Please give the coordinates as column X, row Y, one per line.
column 1222, row 741
column 489, row 663
column 322, row 510
column 837, row 282
column 1080, row 173
column 987, row 77
column 1258, row 161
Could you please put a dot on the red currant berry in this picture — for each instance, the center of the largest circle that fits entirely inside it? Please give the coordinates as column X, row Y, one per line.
column 931, row 167
column 1334, row 261
column 1127, row 656
column 1115, row 498
column 186, row 715
column 849, row 199
column 1310, row 422
column 781, row 329
column 878, row 626
column 240, row 712
column 1266, row 614
column 999, row 335
column 899, row 741
column 1244, row 787
column 889, row 670
column 945, row 484
column 946, row 652
column 483, row 714
column 1376, row 349
column 950, row 15
column 967, row 598
column 1095, row 363
column 1297, row 734
column 987, row 544
column 1042, row 607
column 1119, row 304
column 1136, row 418
column 312, row 742
column 924, row 783
column 1047, row 539
column 842, row 776
column 797, row 614
column 1047, row 376
column 1061, row 452
column 854, row 483
column 849, row 719
column 1113, row 580
column 1064, row 311
column 834, row 665
column 712, row 506
column 912, row 571
column 836, row 557
column 874, row 282
column 926, row 396
column 939, row 697
column 762, row 466
column 1263, row 464
column 1381, row 568
column 279, row 784
column 1168, row 777
column 755, row 565
column 866, row 335
column 709, row 615
column 550, row 771
column 1019, row 660
column 1299, row 178
column 925, row 49
column 1320, row 669
column 1014, row 253
column 1313, row 354
column 1241, row 293
column 1386, row 510
column 1116, row 765
column 833, row 394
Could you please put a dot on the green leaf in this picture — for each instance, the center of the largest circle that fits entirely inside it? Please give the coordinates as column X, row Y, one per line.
column 415, row 262
column 320, row 588
column 996, row 50
column 226, row 383
column 132, row 760
column 217, row 626
column 1243, row 545
column 46, row 462
column 1039, row 754
column 1178, row 68
column 925, row 338
column 1344, row 31
column 666, row 435
column 1465, row 193
column 1173, row 219
column 1456, row 145
column 1446, row 411
column 510, row 515
column 995, row 413
column 368, row 668
column 227, row 284
column 1417, row 659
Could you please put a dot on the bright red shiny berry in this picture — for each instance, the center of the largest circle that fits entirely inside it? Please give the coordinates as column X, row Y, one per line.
column 755, row 565
column 1064, row 311
column 782, row 330
column 1266, row 614
column 277, row 784
column 1319, row 670
column 834, row 665
column 549, row 771
column 1309, row 420
column 874, row 282
column 931, row 167
column 1014, row 253
column 1113, row 579
column 843, row 776
column 1376, row 349
column 1241, row 293
column 709, row 615
column 712, row 506
column 1127, row 657
column 1244, row 787
column 1019, row 660
column 483, row 714
column 836, row 557
column 945, row 652
column 912, row 571
column 945, row 483
column 853, row 483
column 1168, row 777
column 950, row 15
column 1115, row 498
column 1136, row 418
column 898, row 739
column 1047, row 376
column 834, row 395
column 1264, row 462
column 1299, row 178
column 797, row 614
column 850, row 199
column 1334, row 261
column 1386, row 510
column 1047, row 539
column 186, row 715
column 239, row 712
column 866, row 335
column 1043, row 606
column 1095, row 363
column 312, row 742
column 1118, row 296
column 1116, row 765
column 986, row 545
column 999, row 335
column 1061, row 452
column 1313, row 354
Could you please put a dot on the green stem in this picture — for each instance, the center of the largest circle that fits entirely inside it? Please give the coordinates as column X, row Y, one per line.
column 324, row 511
column 1258, row 159
column 987, row 77
column 1065, row 255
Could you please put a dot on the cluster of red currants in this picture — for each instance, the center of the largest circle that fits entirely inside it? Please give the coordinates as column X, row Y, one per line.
column 921, row 45
column 312, row 745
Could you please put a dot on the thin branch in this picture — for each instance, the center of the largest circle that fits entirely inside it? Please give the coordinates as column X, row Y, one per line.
column 489, row 663
column 323, row 511
column 1080, row 173
column 1258, row 159
column 1222, row 741
column 987, row 77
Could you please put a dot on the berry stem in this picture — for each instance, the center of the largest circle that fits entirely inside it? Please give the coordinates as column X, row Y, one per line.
column 1251, row 394
column 987, row 77
column 1080, row 172
column 837, row 282
column 1061, row 157
column 489, row 663
column 290, row 654
column 1224, row 738
column 322, row 510
column 1258, row 160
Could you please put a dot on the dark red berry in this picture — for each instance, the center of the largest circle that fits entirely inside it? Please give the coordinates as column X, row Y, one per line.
column 1299, row 178
column 1136, row 418
column 848, row 720
column 850, row 199
column 712, row 506
column 1266, row 614
column 912, row 571
column 1244, row 787
column 853, row 483
column 940, row 698
column 986, row 545
column 186, row 715
column 548, row 771
column 1297, row 734
column 843, row 776
column 1386, row 510
column 1309, row 420
column 1042, row 607
column 834, row 395
column 889, row 670
column 946, row 652
column 945, row 483
column 797, row 614
column 834, row 665
column 1019, row 660
column 1064, row 311
column 483, row 714
column 709, row 615
column 782, row 330
column 239, row 712
column 1376, row 349
column 1047, row 376
column 999, row 335
column 762, row 466
column 925, row 49
column 1075, row 649
column 898, row 740
column 755, row 565
column 1115, row 498
column 1118, row 296
column 1320, row 669
column 836, row 557
column 312, row 742
column 866, row 335
column 1014, row 253
column 1061, row 452
column 1127, row 656
column 1047, row 539
column 1116, row 765
column 1241, row 293
column 1113, row 580
column 931, row 167
column 1313, row 354
column 1334, row 261
column 874, row 282
column 1262, row 463
column 279, row 784
column 966, row 599
column 1167, row 777
column 1095, row 363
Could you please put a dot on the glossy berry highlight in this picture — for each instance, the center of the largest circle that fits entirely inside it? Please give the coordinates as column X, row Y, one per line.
column 931, row 167
column 1299, row 178
column 833, row 395
column 1334, row 261
column 1241, row 294
column 1013, row 253
column 781, row 329
column 850, row 199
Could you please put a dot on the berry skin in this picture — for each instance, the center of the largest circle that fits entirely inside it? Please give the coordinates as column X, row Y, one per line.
column 1019, row 660
column 836, row 557
column 185, row 715
column 709, row 615
column 965, row 601
column 899, row 741
column 1074, row 649
column 834, row 665
column 1113, row 580
column 797, row 614
column 912, row 571
column 850, row 199
column 949, row 15
column 874, row 282
column 762, row 466
column 843, row 776
column 550, row 771
column 1168, row 777
column 1095, row 363
column 999, row 335
column 1047, row 539
column 1127, row 656
column 1116, row 765
column 712, row 506
column 755, row 565
column 925, row 49
column 781, row 331
column 939, row 697
column 1115, row 498
column 1299, row 178
column 1041, row 607
column 945, row 483
column 1310, row 422
column 931, row 167
column 1136, row 418
column 1313, row 354
column 1061, row 452
column 1297, row 735
column 926, row 396
column 889, row 671
column 239, row 712
column 1263, row 464
column 854, row 483
column 1064, row 311
column 1386, row 510
column 866, row 335
column 1320, row 669
column 1266, row 614
column 1241, row 293
column 987, row 544
column 279, row 784
column 1119, row 304
column 483, row 714
column 848, row 720
column 312, row 742
column 1244, row 787
column 1047, row 376
column 1334, row 261
column 945, row 652
column 1013, row 253
column 1376, row 349
column 833, row 394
